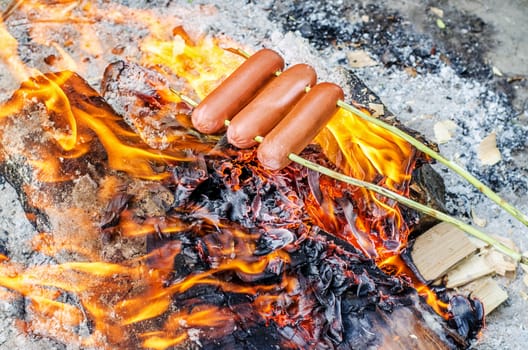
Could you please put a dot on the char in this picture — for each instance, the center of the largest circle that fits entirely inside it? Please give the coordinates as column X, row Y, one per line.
column 337, row 297
column 187, row 177
column 467, row 315
column 344, row 294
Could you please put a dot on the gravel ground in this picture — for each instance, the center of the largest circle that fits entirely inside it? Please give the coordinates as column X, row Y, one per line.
column 454, row 82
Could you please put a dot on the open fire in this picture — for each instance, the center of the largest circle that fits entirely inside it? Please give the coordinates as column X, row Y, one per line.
column 163, row 237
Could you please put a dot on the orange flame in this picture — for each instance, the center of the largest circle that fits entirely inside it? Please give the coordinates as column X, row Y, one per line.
column 395, row 265
column 125, row 296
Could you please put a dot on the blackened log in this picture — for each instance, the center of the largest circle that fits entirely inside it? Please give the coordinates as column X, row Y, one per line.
column 254, row 209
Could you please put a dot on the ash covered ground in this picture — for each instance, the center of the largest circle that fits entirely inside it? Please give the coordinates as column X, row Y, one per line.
column 423, row 74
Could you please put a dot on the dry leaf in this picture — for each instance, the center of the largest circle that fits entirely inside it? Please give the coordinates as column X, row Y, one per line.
column 437, row 12
column 444, row 130
column 359, row 59
column 488, row 152
column 377, row 108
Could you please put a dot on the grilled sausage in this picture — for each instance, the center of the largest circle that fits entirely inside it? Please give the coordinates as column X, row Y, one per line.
column 236, row 91
column 300, row 126
column 270, row 105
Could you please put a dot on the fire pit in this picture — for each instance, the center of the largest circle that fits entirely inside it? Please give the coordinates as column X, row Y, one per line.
column 152, row 235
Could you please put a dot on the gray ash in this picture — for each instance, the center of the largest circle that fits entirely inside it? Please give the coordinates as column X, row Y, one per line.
column 390, row 36
column 321, row 23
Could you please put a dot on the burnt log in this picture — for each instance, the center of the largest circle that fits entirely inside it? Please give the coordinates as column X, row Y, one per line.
column 211, row 249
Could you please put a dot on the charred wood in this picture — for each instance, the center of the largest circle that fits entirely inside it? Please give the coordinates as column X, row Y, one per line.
column 226, row 236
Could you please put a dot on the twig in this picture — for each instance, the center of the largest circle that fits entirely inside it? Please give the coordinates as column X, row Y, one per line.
column 516, row 213
column 11, row 8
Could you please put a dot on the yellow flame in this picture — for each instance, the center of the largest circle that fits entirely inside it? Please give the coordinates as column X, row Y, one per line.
column 369, row 150
column 116, row 297
column 203, row 65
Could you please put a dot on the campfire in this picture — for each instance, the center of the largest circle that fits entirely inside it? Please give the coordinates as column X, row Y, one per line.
column 155, row 235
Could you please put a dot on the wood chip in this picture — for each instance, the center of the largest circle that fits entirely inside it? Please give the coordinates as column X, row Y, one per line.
column 478, row 220
column 437, row 12
column 487, row 151
column 468, row 270
column 490, row 293
column 360, row 59
column 439, row 249
column 378, row 109
column 444, row 130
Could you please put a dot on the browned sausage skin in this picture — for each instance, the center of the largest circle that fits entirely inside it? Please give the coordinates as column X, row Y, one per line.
column 300, row 126
column 236, row 91
column 270, row 105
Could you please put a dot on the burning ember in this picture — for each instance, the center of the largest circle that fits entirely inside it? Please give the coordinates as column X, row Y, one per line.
column 162, row 237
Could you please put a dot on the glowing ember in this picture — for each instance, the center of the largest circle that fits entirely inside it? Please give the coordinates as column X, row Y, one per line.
column 221, row 248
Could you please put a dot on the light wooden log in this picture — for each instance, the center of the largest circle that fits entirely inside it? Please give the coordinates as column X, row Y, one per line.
column 439, row 249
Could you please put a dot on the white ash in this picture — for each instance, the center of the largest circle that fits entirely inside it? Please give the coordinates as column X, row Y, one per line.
column 15, row 235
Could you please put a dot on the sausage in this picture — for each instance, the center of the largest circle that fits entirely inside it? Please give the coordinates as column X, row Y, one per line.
column 270, row 105
column 300, row 126
column 236, row 91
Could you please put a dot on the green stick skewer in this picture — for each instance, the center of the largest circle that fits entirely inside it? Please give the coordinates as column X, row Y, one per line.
column 405, row 201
